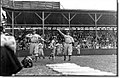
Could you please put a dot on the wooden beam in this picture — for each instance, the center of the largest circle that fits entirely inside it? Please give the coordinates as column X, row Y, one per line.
column 65, row 16
column 99, row 17
column 47, row 16
column 18, row 15
column 73, row 16
column 9, row 15
column 38, row 15
column 13, row 23
column 91, row 17
column 81, row 25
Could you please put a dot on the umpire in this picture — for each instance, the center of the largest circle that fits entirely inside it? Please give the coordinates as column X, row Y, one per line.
column 68, row 48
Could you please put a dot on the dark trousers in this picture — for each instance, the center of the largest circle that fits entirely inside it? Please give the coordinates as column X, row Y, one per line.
column 9, row 64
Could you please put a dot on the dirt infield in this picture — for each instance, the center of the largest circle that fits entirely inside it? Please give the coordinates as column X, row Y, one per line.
column 107, row 63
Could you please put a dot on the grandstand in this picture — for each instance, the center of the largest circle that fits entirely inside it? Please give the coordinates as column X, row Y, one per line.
column 46, row 17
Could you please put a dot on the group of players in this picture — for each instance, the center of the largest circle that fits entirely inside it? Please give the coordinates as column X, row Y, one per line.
column 11, row 65
column 37, row 44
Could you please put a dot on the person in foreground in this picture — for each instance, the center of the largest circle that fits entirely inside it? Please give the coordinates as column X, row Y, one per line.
column 9, row 63
column 68, row 48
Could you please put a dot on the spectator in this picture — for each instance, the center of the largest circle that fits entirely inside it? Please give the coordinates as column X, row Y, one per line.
column 9, row 63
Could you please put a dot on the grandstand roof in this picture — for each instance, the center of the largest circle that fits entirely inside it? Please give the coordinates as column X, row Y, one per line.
column 60, row 17
column 61, row 10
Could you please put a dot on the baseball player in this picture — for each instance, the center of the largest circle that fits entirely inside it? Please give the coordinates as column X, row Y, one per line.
column 53, row 47
column 78, row 48
column 40, row 50
column 68, row 48
column 34, row 42
column 59, row 48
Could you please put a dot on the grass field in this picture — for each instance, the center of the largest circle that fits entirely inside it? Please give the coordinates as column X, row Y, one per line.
column 107, row 63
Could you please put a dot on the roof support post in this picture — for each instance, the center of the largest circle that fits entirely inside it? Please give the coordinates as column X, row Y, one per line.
column 0, row 12
column 43, row 20
column 69, row 22
column 96, row 29
column 12, row 23
column 95, row 21
column 43, row 23
column 69, row 18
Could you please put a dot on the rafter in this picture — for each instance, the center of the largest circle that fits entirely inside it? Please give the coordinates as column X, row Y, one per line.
column 18, row 15
column 47, row 16
column 38, row 15
column 73, row 16
column 91, row 17
column 9, row 15
column 65, row 16
column 99, row 17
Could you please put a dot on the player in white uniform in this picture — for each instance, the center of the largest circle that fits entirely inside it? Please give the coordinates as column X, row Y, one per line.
column 59, row 48
column 53, row 47
column 34, row 42
column 38, row 51
column 68, row 48
column 78, row 48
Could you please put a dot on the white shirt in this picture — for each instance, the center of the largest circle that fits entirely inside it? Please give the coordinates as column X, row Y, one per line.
column 8, row 41
column 34, row 38
column 52, row 44
column 68, row 39
column 40, row 46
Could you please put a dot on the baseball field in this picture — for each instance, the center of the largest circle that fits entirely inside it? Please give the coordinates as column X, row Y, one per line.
column 105, row 63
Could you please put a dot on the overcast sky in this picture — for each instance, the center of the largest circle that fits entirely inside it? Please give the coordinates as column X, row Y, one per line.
column 85, row 4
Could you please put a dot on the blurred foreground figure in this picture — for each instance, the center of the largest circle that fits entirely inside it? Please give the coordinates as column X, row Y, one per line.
column 9, row 64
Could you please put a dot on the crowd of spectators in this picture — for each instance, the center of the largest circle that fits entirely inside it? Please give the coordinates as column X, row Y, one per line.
column 88, row 39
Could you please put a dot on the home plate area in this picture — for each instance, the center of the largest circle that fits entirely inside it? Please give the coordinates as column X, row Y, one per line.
column 74, row 69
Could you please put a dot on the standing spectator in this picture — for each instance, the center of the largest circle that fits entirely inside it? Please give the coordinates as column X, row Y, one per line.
column 68, row 48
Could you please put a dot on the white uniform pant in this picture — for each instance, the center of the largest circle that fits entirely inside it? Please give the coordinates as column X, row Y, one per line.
column 32, row 47
column 40, row 52
column 78, row 50
column 67, row 49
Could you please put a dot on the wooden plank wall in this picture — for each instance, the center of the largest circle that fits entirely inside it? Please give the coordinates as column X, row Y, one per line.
column 32, row 4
